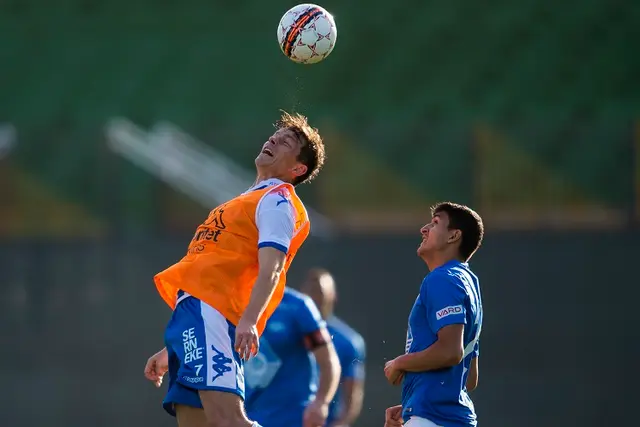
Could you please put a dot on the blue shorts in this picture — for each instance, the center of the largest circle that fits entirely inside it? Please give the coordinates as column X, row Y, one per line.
column 200, row 343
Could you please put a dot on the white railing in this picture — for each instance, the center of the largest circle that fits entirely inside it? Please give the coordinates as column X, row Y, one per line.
column 8, row 138
column 188, row 165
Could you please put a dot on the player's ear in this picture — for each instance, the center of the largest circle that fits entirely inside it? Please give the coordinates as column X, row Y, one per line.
column 299, row 169
column 455, row 236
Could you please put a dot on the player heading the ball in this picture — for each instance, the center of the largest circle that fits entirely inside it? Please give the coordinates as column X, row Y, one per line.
column 232, row 279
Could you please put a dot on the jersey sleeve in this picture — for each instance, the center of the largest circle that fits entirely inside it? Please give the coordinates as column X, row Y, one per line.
column 309, row 319
column 353, row 362
column 444, row 300
column 275, row 221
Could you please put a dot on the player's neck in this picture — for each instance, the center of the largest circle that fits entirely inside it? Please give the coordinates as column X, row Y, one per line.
column 265, row 176
column 439, row 259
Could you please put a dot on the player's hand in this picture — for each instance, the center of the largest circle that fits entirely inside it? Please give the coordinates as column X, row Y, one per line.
column 157, row 366
column 315, row 414
column 393, row 416
column 394, row 375
column 247, row 340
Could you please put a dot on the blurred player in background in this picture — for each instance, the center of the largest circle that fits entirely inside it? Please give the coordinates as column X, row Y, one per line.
column 282, row 380
column 440, row 366
column 350, row 346
column 231, row 281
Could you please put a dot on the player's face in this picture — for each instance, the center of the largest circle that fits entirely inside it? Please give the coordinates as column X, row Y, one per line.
column 435, row 234
column 312, row 289
column 322, row 291
column 279, row 156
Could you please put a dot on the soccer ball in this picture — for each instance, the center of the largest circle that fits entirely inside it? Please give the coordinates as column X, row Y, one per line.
column 307, row 33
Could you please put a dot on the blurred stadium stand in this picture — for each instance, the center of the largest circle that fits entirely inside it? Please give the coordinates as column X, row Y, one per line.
column 522, row 94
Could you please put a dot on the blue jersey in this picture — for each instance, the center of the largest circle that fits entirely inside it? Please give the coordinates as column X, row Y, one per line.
column 449, row 295
column 350, row 348
column 282, row 379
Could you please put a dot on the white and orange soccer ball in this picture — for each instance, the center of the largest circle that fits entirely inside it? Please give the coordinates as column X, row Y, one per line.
column 307, row 33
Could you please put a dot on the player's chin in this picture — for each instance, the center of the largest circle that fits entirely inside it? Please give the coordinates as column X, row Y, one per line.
column 264, row 160
column 422, row 249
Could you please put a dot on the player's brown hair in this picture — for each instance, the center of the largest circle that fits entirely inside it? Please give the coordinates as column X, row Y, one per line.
column 466, row 220
column 312, row 147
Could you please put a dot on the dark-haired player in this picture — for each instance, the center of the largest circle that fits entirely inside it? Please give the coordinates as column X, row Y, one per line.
column 231, row 281
column 440, row 366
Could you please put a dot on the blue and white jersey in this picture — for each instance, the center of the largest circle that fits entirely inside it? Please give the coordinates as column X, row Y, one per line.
column 449, row 295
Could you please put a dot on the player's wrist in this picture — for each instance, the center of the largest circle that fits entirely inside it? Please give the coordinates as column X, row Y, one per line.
column 399, row 362
column 250, row 320
column 249, row 316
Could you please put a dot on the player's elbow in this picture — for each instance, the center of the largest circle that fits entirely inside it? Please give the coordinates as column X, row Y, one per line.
column 271, row 272
column 472, row 379
column 453, row 356
column 336, row 369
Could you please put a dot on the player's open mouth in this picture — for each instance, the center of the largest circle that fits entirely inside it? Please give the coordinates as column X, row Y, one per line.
column 267, row 152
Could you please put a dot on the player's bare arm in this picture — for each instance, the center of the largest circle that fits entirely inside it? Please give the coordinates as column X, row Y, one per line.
column 446, row 352
column 352, row 399
column 472, row 379
column 329, row 366
column 271, row 262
